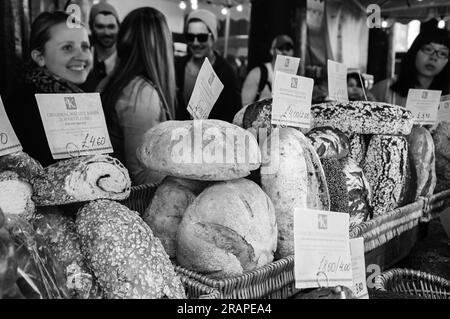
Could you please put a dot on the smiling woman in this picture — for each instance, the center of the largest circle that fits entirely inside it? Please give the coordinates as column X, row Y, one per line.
column 60, row 60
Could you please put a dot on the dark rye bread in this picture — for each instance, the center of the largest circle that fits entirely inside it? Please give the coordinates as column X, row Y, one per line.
column 363, row 117
column 82, row 179
column 229, row 229
column 128, row 261
column 21, row 163
column 385, row 168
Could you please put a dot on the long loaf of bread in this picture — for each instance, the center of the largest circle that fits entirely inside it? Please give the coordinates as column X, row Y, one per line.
column 82, row 179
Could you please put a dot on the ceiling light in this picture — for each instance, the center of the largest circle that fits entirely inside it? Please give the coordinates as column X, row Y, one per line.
column 384, row 24
column 182, row 5
column 194, row 6
column 224, row 11
column 239, row 8
column 441, row 24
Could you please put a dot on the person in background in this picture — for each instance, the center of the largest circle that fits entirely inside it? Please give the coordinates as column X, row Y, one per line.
column 425, row 66
column 258, row 83
column 61, row 60
column 140, row 93
column 104, row 24
column 201, row 32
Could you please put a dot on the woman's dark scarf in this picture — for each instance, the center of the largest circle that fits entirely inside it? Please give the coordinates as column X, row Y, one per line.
column 46, row 82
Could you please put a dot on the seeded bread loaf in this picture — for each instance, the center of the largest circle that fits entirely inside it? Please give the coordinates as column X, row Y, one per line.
column 209, row 150
column 441, row 138
column 15, row 195
column 229, row 229
column 385, row 169
column 128, row 261
column 21, row 163
column 358, row 147
column 363, row 117
column 337, row 184
column 82, row 179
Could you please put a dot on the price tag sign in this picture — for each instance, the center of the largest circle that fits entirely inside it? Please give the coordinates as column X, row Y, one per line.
column 8, row 139
column 337, row 81
column 74, row 124
column 424, row 105
column 358, row 268
column 444, row 109
column 286, row 64
column 206, row 92
column 292, row 97
column 322, row 249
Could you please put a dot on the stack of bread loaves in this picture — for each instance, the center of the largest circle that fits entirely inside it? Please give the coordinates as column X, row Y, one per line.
column 207, row 215
column 105, row 250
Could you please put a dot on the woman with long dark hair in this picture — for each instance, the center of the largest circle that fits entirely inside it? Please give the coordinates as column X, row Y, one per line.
column 140, row 93
column 425, row 66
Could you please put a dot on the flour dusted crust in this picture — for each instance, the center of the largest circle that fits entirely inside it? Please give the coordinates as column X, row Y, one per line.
column 229, row 229
column 385, row 169
column 15, row 195
column 82, row 179
column 128, row 261
column 187, row 149
column 363, row 117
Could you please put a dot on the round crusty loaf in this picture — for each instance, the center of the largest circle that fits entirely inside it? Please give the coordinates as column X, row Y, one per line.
column 363, row 117
column 284, row 178
column 209, row 150
column 125, row 257
column 230, row 228
column 166, row 211
column 329, row 142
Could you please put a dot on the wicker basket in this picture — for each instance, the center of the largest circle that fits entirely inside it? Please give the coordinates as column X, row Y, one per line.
column 272, row 281
column 433, row 204
column 414, row 283
column 378, row 231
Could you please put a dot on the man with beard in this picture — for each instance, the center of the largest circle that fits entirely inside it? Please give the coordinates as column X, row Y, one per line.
column 104, row 25
column 201, row 32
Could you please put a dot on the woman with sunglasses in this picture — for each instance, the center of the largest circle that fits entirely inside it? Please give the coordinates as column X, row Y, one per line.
column 425, row 66
column 140, row 92
column 258, row 83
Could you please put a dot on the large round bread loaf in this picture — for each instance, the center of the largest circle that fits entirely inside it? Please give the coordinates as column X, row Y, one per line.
column 22, row 164
column 441, row 138
column 166, row 211
column 363, row 117
column 284, row 178
column 329, row 142
column 120, row 249
column 209, row 150
column 15, row 195
column 230, row 228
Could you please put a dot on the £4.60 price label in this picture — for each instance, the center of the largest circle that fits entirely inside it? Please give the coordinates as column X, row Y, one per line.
column 8, row 139
column 74, row 124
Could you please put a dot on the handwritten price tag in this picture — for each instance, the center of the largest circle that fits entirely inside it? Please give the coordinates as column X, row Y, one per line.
column 322, row 249
column 74, row 124
column 337, row 81
column 286, row 64
column 206, row 92
column 358, row 268
column 292, row 100
column 8, row 139
column 424, row 105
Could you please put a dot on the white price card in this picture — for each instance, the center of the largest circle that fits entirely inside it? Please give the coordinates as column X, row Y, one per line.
column 424, row 105
column 8, row 139
column 206, row 92
column 322, row 249
column 74, row 124
column 292, row 97
column 358, row 268
column 444, row 109
column 337, row 81
column 286, row 64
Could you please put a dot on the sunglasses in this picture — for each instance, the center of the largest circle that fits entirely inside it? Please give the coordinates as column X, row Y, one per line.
column 285, row 47
column 201, row 37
